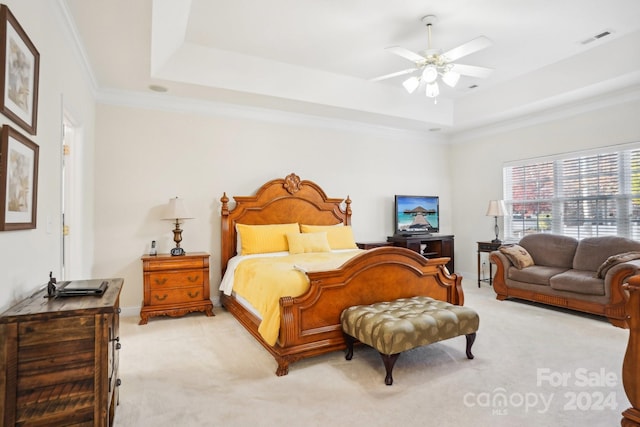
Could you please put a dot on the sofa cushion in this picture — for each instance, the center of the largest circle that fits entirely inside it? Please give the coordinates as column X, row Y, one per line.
column 593, row 251
column 552, row 250
column 579, row 282
column 518, row 255
column 536, row 274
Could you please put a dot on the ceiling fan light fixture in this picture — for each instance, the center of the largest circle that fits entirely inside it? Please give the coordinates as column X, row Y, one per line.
column 411, row 84
column 451, row 78
column 430, row 73
column 433, row 90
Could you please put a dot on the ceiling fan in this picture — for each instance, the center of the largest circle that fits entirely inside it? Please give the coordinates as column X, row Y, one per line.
column 432, row 63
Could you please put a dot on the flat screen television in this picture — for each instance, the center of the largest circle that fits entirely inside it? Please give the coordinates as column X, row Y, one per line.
column 417, row 214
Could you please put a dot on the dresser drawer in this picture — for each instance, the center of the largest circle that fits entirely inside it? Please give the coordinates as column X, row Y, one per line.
column 178, row 279
column 176, row 295
column 488, row 247
column 175, row 263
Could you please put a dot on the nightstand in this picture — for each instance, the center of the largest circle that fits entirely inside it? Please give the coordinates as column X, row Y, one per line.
column 487, row 247
column 175, row 285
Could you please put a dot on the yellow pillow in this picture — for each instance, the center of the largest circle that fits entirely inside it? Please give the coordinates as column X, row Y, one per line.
column 258, row 239
column 309, row 242
column 339, row 237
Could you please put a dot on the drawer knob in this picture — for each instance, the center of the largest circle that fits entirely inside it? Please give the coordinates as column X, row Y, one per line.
column 161, row 281
column 193, row 295
column 161, row 298
column 193, row 279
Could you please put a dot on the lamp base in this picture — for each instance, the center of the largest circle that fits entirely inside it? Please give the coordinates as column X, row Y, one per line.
column 177, row 251
column 496, row 241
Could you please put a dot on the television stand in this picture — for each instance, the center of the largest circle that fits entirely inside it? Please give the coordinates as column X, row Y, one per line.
column 427, row 245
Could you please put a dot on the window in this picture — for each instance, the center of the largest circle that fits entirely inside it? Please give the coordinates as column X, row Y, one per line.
column 580, row 194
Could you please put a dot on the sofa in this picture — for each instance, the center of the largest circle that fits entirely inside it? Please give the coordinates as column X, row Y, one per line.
column 584, row 275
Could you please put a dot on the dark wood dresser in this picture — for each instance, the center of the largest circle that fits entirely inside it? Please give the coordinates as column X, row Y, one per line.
column 59, row 360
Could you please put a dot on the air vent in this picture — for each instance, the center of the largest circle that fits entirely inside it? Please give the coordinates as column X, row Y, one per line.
column 602, row 34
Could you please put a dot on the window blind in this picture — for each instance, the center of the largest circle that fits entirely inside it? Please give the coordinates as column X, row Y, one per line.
column 580, row 195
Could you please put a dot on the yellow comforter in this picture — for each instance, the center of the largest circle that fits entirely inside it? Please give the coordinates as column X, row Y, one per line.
column 263, row 281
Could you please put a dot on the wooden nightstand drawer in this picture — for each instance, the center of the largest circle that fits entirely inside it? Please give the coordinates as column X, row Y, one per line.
column 172, row 296
column 178, row 279
column 174, row 263
column 175, row 285
column 488, row 246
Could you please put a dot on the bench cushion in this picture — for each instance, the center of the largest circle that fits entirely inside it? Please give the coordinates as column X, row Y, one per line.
column 406, row 323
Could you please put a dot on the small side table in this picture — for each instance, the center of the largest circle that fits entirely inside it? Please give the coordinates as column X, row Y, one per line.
column 175, row 285
column 486, row 247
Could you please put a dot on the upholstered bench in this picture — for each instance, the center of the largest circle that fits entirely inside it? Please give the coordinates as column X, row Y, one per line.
column 406, row 323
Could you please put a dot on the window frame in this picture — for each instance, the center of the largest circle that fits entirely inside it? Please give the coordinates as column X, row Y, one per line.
column 596, row 186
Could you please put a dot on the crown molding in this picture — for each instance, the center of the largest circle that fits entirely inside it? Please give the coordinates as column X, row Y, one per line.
column 164, row 102
column 76, row 44
column 621, row 96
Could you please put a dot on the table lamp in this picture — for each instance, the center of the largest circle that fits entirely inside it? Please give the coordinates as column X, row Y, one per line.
column 178, row 212
column 496, row 208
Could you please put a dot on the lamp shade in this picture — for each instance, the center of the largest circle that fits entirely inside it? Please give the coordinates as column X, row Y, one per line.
column 496, row 208
column 411, row 84
column 176, row 209
column 451, row 78
column 432, row 89
column 430, row 73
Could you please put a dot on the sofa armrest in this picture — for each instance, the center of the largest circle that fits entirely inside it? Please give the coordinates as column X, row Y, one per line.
column 502, row 264
column 617, row 276
column 498, row 257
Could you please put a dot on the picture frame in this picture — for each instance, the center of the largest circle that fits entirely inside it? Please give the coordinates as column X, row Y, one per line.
column 19, row 73
column 18, row 180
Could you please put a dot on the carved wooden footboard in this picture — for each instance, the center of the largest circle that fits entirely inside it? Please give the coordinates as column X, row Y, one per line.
column 631, row 364
column 310, row 323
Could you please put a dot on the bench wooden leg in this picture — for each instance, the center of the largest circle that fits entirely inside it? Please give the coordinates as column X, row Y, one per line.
column 470, row 339
column 389, row 360
column 350, row 341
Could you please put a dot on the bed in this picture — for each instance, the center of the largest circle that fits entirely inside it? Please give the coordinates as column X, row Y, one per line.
column 309, row 323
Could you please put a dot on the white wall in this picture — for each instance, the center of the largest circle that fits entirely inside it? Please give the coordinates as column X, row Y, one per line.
column 143, row 157
column 27, row 256
column 147, row 156
column 477, row 164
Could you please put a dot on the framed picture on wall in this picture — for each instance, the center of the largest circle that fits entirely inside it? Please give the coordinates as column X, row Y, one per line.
column 18, row 180
column 20, row 68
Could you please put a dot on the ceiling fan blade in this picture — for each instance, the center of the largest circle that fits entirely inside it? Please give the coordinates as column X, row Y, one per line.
column 468, row 48
column 397, row 73
column 405, row 53
column 472, row 70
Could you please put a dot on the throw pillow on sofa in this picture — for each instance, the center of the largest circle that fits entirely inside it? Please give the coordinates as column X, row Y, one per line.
column 518, row 256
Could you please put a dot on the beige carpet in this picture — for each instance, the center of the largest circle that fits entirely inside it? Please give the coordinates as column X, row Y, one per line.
column 534, row 366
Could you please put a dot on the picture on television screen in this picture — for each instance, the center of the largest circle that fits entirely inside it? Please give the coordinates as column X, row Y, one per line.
column 417, row 214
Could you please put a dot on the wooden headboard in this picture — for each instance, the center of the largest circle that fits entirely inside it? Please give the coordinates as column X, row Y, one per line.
column 280, row 201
